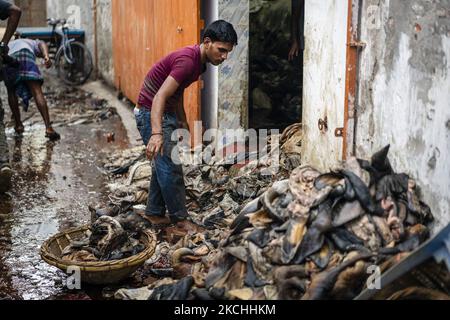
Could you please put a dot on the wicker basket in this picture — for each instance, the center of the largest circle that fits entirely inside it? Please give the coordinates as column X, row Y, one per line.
column 99, row 272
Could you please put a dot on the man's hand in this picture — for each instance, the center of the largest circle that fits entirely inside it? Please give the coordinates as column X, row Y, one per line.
column 47, row 62
column 295, row 49
column 154, row 147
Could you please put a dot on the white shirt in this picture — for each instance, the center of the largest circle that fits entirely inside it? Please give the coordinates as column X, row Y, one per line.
column 29, row 44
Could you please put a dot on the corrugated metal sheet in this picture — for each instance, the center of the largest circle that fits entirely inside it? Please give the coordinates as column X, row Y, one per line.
column 144, row 31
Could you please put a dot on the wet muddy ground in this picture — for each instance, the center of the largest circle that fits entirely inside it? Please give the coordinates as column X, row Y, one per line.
column 53, row 185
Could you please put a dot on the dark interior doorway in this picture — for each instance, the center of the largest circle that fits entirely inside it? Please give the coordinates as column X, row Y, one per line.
column 275, row 83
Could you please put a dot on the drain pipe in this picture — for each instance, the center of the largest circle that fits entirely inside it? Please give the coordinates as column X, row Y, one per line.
column 354, row 47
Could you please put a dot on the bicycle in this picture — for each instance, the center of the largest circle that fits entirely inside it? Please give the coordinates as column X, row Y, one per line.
column 73, row 60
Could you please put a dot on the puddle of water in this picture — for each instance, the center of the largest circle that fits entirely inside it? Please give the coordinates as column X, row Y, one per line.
column 52, row 187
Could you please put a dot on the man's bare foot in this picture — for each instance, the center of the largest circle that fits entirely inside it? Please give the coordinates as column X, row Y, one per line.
column 52, row 134
column 19, row 129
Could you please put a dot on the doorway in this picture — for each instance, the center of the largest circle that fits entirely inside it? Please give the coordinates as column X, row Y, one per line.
column 275, row 83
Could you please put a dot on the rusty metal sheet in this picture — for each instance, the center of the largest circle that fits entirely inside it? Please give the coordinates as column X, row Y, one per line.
column 144, row 31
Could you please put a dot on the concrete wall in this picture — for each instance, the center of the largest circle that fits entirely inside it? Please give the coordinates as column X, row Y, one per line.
column 80, row 14
column 104, row 41
column 405, row 92
column 233, row 74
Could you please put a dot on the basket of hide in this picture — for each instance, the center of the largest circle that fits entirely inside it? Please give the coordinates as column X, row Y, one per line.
column 105, row 252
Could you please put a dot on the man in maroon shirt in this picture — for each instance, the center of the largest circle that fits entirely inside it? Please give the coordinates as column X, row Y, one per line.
column 160, row 111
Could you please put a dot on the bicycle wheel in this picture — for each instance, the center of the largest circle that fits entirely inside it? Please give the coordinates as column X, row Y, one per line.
column 77, row 71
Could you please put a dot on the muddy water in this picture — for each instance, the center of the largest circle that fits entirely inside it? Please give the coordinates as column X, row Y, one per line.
column 53, row 185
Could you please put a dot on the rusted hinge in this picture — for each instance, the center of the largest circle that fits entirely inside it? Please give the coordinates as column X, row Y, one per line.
column 339, row 132
column 357, row 44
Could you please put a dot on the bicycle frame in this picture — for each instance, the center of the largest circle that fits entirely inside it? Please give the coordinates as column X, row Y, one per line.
column 72, row 58
column 65, row 44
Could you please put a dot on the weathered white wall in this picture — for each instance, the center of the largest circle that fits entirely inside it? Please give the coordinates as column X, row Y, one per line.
column 105, row 42
column 324, row 80
column 405, row 92
column 80, row 14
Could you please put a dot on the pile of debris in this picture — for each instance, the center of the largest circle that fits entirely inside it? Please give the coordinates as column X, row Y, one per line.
column 70, row 106
column 84, row 108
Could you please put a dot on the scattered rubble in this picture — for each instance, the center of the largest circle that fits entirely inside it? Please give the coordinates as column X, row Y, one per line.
column 84, row 108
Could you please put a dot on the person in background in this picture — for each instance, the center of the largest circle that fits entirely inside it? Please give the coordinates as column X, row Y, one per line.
column 297, row 28
column 27, row 82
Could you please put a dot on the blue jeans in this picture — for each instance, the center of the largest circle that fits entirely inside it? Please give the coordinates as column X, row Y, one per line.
column 167, row 189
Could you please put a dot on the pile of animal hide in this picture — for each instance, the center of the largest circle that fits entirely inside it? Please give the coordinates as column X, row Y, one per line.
column 313, row 236
column 290, row 233
column 109, row 238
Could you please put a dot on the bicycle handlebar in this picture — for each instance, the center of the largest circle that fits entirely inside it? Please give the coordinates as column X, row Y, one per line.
column 55, row 22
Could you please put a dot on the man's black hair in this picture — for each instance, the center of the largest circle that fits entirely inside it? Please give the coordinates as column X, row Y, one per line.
column 221, row 31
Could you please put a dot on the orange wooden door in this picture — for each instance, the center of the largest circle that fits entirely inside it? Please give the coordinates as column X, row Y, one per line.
column 144, row 31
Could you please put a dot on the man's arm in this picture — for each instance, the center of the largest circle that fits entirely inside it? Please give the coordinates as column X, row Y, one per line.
column 13, row 22
column 44, row 54
column 168, row 89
